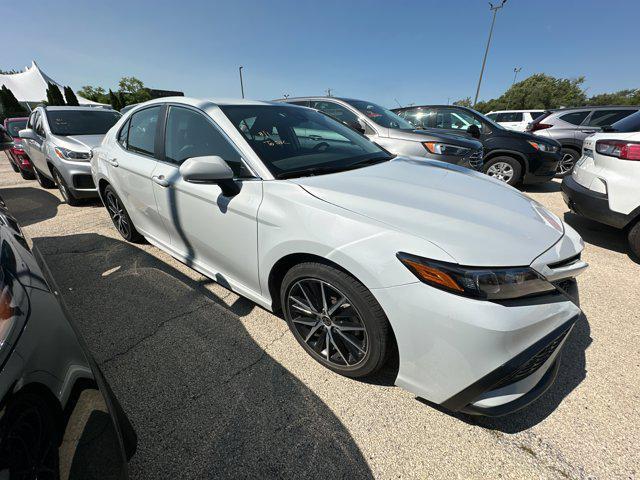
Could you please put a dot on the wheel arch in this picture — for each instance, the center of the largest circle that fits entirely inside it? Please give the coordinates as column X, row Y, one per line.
column 522, row 159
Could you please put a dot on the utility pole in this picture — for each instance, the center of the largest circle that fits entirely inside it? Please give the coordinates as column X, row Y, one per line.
column 516, row 71
column 494, row 9
column 448, row 100
column 328, row 92
column 399, row 104
column 241, row 84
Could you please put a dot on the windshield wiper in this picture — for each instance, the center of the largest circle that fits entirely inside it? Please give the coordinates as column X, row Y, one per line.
column 309, row 172
column 369, row 161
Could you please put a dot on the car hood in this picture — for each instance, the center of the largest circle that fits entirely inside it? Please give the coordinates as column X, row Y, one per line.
column 432, row 135
column 78, row 142
column 526, row 136
column 478, row 221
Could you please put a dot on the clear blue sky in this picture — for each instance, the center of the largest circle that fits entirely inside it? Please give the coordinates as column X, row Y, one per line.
column 417, row 51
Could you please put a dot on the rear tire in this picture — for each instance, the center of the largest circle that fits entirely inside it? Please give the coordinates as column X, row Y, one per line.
column 43, row 181
column 120, row 217
column 505, row 169
column 634, row 239
column 347, row 332
column 66, row 193
column 26, row 174
column 568, row 161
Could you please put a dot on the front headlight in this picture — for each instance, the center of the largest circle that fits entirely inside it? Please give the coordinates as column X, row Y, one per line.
column 445, row 149
column 66, row 154
column 478, row 283
column 543, row 147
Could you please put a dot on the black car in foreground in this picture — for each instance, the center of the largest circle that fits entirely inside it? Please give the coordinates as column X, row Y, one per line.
column 58, row 416
column 510, row 156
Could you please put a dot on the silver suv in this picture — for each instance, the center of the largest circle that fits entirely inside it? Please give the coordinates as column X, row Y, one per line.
column 59, row 140
column 570, row 126
column 395, row 134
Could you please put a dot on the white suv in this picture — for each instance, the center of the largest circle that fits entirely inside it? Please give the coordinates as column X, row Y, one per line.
column 604, row 183
column 515, row 119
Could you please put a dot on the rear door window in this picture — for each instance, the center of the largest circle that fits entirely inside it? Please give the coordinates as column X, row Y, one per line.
column 535, row 115
column 509, row 117
column 575, row 118
column 628, row 124
column 607, row 117
column 335, row 110
column 142, row 131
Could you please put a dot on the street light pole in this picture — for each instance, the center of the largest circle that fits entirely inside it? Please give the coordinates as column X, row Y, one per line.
column 516, row 71
column 494, row 9
column 241, row 84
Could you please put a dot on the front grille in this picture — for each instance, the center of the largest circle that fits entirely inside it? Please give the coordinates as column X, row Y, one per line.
column 83, row 181
column 533, row 364
column 476, row 159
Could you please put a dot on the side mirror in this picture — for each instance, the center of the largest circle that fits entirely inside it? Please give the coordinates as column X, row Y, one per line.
column 27, row 134
column 209, row 169
column 474, row 130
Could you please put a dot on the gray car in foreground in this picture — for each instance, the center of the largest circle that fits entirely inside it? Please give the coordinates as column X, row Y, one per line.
column 395, row 134
column 59, row 140
column 570, row 126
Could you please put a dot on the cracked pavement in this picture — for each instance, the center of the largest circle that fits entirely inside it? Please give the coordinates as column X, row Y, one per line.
column 216, row 387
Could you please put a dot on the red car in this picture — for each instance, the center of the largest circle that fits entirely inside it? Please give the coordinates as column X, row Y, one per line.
column 17, row 156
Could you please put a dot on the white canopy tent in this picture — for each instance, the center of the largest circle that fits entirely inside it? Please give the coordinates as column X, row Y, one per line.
column 31, row 85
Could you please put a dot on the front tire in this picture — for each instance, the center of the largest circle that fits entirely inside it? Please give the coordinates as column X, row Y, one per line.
column 567, row 162
column 26, row 174
column 634, row 239
column 66, row 193
column 14, row 166
column 120, row 217
column 505, row 169
column 335, row 319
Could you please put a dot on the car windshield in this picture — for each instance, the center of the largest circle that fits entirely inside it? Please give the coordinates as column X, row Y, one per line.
column 14, row 126
column 294, row 142
column 628, row 124
column 81, row 122
column 381, row 116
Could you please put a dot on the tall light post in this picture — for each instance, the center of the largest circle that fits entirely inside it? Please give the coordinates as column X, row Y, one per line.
column 516, row 71
column 241, row 84
column 494, row 9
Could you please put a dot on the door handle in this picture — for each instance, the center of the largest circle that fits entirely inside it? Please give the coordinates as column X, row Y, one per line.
column 161, row 180
column 113, row 162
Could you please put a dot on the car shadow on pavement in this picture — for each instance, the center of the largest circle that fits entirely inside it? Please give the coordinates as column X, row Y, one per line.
column 571, row 373
column 599, row 234
column 30, row 205
column 546, row 187
column 206, row 399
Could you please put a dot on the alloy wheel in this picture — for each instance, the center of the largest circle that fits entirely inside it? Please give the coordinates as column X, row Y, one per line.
column 327, row 322
column 566, row 164
column 118, row 215
column 501, row 171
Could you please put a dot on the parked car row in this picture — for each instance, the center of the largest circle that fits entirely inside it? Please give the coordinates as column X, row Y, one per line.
column 342, row 216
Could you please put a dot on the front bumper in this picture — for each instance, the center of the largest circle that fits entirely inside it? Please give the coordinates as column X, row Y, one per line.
column 77, row 176
column 590, row 204
column 542, row 167
column 474, row 160
column 475, row 356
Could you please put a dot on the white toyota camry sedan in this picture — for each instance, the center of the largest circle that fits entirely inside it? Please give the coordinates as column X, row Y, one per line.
column 361, row 251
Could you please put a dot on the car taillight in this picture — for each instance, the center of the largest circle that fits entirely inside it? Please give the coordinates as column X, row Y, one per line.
column 619, row 149
column 539, row 126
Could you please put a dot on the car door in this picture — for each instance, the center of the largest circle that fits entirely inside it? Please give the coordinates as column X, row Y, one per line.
column 37, row 144
column 212, row 232
column 510, row 120
column 131, row 164
column 454, row 120
column 600, row 118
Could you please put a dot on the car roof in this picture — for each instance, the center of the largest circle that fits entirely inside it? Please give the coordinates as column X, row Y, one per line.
column 594, row 107
column 518, row 111
column 76, row 108
column 204, row 102
column 321, row 97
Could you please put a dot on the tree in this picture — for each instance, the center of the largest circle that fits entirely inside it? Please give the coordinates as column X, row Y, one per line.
column 621, row 97
column 538, row 91
column 8, row 72
column 54, row 95
column 70, row 97
column 114, row 101
column 95, row 94
column 10, row 104
column 134, row 90
column 463, row 102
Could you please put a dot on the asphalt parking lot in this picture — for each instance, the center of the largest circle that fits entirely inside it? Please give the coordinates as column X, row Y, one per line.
column 217, row 387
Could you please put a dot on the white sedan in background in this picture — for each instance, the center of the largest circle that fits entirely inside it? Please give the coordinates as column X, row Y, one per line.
column 361, row 251
column 515, row 119
column 605, row 183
